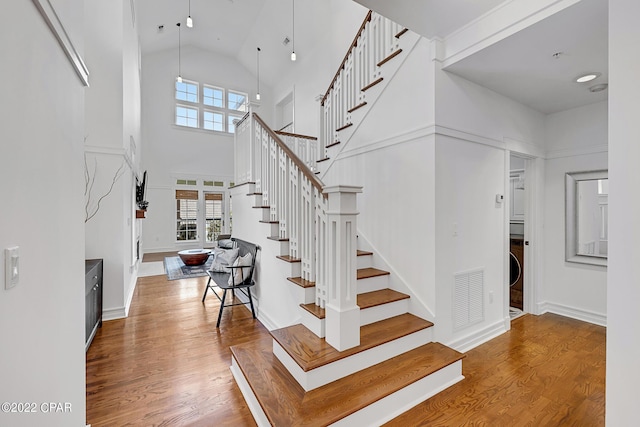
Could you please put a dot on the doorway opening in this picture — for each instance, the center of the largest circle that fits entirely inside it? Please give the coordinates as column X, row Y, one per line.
column 517, row 240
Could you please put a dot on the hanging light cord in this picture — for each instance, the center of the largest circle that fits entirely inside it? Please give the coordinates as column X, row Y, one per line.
column 258, row 73
column 179, row 53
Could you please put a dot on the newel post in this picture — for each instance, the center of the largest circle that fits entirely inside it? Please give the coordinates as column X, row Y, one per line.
column 342, row 314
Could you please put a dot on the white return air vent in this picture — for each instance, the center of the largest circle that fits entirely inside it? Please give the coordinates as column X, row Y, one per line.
column 468, row 298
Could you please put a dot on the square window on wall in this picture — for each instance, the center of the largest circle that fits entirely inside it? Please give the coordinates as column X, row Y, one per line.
column 237, row 101
column 186, row 116
column 213, row 96
column 213, row 121
column 187, row 91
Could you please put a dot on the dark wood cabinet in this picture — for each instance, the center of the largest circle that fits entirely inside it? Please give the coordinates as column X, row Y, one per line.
column 93, row 299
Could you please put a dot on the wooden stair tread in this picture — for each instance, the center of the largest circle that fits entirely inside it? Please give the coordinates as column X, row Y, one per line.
column 364, row 273
column 301, row 282
column 286, row 403
column 269, row 222
column 314, row 309
column 288, row 258
column 262, row 207
column 278, row 239
column 363, row 253
column 311, row 352
column 376, row 298
column 333, row 144
column 365, row 300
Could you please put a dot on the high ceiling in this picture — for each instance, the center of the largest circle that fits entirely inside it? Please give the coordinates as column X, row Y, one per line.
column 522, row 67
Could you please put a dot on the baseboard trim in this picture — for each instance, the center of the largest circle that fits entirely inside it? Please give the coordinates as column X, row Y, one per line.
column 573, row 312
column 114, row 313
column 474, row 339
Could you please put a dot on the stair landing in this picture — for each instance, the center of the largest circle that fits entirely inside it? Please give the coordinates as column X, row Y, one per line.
column 284, row 402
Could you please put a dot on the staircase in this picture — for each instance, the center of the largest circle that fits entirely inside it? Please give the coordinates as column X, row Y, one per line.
column 359, row 355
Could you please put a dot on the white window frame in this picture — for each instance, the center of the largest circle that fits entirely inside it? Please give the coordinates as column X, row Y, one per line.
column 187, row 107
column 201, row 108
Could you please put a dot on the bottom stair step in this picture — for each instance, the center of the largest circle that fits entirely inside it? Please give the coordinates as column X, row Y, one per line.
column 372, row 395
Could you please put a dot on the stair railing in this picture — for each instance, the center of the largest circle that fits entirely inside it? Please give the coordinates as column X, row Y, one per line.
column 376, row 42
column 319, row 222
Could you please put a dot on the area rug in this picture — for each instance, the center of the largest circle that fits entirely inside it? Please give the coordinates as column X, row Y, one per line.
column 176, row 269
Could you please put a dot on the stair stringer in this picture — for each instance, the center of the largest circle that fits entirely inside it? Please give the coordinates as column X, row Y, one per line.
column 417, row 305
column 408, row 43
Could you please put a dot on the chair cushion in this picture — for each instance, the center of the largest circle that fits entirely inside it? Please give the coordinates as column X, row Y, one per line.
column 222, row 259
column 238, row 274
column 225, row 244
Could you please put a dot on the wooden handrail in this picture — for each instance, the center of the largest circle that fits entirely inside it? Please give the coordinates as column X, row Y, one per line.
column 296, row 135
column 303, row 168
column 247, row 114
column 346, row 57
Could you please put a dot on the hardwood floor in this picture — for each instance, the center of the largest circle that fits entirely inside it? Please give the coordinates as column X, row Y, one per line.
column 548, row 370
column 167, row 365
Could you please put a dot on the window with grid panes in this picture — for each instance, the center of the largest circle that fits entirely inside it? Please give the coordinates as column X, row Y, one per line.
column 237, row 101
column 213, row 96
column 213, row 121
column 186, row 215
column 186, row 116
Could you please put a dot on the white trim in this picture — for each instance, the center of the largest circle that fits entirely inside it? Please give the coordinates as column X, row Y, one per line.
column 114, row 313
column 573, row 312
column 505, row 12
column 476, row 338
column 252, row 402
column 127, row 305
column 572, row 152
column 51, row 17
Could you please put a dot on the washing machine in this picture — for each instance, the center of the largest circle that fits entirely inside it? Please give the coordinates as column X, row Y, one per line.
column 516, row 272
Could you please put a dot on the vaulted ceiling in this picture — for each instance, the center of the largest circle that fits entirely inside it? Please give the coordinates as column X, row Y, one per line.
column 536, row 66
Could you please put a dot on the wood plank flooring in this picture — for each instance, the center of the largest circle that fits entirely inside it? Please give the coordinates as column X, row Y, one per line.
column 167, row 365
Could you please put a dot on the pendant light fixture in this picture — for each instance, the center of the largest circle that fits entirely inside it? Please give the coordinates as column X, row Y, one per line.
column 189, row 20
column 258, row 73
column 179, row 79
column 293, row 30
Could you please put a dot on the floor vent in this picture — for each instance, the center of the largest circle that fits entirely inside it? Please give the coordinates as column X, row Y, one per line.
column 468, row 298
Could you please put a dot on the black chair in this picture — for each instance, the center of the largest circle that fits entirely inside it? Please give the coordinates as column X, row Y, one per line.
column 221, row 279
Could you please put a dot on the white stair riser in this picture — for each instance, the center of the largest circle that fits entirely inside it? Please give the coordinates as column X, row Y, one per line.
column 312, row 323
column 364, row 261
column 384, row 311
column 273, row 229
column 252, row 402
column 302, row 295
column 296, row 269
column 404, row 399
column 371, row 284
column 278, row 247
column 378, row 412
column 357, row 362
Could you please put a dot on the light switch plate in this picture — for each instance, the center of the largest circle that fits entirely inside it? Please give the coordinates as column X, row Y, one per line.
column 11, row 267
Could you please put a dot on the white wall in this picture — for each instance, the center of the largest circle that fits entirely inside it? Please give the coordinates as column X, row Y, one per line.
column 469, row 229
column 577, row 141
column 41, row 175
column 311, row 74
column 172, row 151
column 623, row 292
column 113, row 141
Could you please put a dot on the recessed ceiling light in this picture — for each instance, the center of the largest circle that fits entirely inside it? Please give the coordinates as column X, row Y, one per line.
column 587, row 77
column 598, row 88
